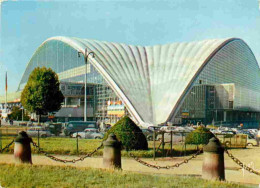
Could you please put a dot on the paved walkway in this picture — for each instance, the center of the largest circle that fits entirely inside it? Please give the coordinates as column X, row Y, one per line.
column 194, row 167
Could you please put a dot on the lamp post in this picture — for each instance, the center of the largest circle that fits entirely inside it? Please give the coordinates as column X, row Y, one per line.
column 193, row 101
column 86, row 55
column 22, row 113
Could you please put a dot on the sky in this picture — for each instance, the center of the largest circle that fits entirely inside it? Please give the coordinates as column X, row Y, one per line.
column 26, row 24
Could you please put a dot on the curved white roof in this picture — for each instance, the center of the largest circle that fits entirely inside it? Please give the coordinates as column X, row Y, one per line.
column 152, row 81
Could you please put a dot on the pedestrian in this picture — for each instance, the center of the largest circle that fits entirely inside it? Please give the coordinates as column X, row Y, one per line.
column 258, row 137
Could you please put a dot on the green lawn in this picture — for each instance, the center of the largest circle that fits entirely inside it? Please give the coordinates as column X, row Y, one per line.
column 52, row 176
column 67, row 146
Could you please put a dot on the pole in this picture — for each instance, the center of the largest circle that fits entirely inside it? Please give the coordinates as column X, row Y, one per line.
column 85, row 97
column 154, row 144
column 185, row 149
column 0, row 138
column 86, row 54
column 163, row 144
column 39, row 138
column 94, row 102
column 6, row 92
column 22, row 114
column 77, row 144
column 171, row 143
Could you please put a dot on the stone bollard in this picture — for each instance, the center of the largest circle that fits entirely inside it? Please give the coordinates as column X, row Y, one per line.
column 213, row 163
column 22, row 148
column 112, row 153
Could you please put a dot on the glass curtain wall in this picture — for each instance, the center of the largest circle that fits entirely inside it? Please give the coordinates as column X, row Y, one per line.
column 65, row 61
column 226, row 90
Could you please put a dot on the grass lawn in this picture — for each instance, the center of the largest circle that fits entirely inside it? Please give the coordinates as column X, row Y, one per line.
column 67, row 146
column 53, row 176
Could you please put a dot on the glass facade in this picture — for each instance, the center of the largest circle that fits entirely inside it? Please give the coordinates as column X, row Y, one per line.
column 64, row 60
column 227, row 89
column 214, row 80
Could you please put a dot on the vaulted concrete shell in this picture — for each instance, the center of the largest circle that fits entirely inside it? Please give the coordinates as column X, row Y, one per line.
column 152, row 81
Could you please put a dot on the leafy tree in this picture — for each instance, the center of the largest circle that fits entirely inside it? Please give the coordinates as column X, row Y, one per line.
column 17, row 114
column 42, row 92
column 130, row 135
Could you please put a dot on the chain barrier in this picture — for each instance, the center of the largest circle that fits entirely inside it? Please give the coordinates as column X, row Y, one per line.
column 65, row 160
column 236, row 160
column 7, row 146
column 176, row 165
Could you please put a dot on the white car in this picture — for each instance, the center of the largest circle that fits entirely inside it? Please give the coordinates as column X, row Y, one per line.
column 176, row 137
column 89, row 134
column 43, row 133
column 167, row 128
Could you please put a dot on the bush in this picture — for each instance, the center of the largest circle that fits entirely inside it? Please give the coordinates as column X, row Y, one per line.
column 201, row 135
column 130, row 135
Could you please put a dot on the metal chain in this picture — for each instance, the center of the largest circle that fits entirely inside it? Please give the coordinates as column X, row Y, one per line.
column 236, row 160
column 176, row 165
column 7, row 146
column 64, row 160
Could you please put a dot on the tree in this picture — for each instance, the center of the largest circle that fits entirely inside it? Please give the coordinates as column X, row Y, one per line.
column 42, row 92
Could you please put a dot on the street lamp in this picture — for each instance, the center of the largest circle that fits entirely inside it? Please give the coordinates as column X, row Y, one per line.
column 22, row 113
column 86, row 55
column 193, row 101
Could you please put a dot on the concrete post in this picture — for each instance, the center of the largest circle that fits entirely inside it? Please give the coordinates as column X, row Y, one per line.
column 112, row 153
column 22, row 148
column 213, row 164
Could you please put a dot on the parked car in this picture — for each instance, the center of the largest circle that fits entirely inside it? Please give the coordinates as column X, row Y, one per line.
column 55, row 128
column 253, row 131
column 228, row 132
column 43, row 133
column 47, row 123
column 78, row 126
column 188, row 129
column 29, row 123
column 233, row 140
column 251, row 141
column 23, row 124
column 152, row 128
column 167, row 128
column 248, row 133
column 89, row 133
column 176, row 137
column 148, row 134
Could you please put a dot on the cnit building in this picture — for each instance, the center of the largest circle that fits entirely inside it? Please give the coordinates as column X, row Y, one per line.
column 210, row 81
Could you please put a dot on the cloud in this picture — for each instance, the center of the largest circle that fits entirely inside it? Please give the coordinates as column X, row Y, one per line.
column 1, row 1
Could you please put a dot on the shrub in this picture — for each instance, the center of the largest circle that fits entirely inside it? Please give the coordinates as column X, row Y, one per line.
column 201, row 135
column 130, row 135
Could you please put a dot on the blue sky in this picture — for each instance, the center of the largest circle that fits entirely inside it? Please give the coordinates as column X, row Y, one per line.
column 26, row 24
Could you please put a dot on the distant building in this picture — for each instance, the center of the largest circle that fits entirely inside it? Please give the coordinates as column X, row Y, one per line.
column 211, row 81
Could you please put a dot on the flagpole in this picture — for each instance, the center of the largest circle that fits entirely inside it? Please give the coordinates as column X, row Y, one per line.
column 6, row 92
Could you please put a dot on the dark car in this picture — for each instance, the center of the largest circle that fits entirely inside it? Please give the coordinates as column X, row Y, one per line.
column 250, row 135
column 55, row 128
column 152, row 128
column 78, row 126
column 148, row 134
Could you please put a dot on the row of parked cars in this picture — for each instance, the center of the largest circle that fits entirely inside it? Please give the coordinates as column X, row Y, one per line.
column 90, row 130
column 229, row 136
column 227, row 130
column 74, row 129
column 177, row 133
